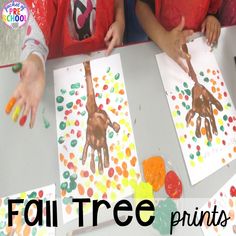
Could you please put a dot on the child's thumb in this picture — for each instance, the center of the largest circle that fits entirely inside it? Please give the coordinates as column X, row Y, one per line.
column 181, row 25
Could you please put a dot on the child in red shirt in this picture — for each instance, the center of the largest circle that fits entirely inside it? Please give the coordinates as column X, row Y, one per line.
column 61, row 28
column 175, row 20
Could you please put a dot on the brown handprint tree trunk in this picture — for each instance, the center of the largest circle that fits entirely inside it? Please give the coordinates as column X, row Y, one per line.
column 202, row 101
column 97, row 124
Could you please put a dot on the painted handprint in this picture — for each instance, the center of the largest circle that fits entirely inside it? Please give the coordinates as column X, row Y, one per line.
column 97, row 124
column 202, row 103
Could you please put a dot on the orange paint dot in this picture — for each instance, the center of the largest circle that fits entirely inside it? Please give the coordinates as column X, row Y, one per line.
column 125, row 173
column 112, row 148
column 116, row 178
column 235, row 149
column 133, row 161
column 63, row 193
column 68, row 209
column 218, row 89
column 213, row 72
column 219, row 96
column 118, row 186
column 177, row 107
column 119, row 170
column 104, row 77
column 180, row 96
column 95, row 79
column 65, row 162
column 124, row 165
column 213, row 89
column 192, row 123
column 203, row 131
column 116, row 161
column 108, row 183
column 80, row 189
column 72, row 155
column 223, row 160
column 75, row 107
column 231, row 203
column 62, row 157
column 208, row 71
column 229, row 155
column 91, row 178
column 128, row 152
column 215, row 112
column 122, row 92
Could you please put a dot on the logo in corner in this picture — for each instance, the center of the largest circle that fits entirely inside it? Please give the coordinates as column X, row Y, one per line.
column 15, row 14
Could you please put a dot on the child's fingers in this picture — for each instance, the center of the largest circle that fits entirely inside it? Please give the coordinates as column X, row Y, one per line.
column 17, row 110
column 108, row 35
column 10, row 105
column 25, row 114
column 181, row 25
column 33, row 115
column 111, row 45
column 203, row 28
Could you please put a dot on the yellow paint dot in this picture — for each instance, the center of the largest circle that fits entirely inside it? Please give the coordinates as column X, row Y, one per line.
column 23, row 195
column 2, row 212
column 101, row 187
column 192, row 163
column 118, row 148
column 177, row 125
column 132, row 146
column 113, row 184
column 125, row 138
column 122, row 121
column 133, row 183
column 132, row 172
column 174, row 114
column 220, row 121
column 42, row 232
column 182, row 139
column 200, row 159
column 192, row 133
column 95, row 196
column 125, row 182
column 218, row 140
column 226, row 107
column 113, row 196
column 120, row 155
column 182, row 126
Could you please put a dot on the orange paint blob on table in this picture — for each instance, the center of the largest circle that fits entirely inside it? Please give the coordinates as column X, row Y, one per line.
column 203, row 131
column 154, row 172
column 68, row 209
column 215, row 111
column 133, row 161
column 80, row 189
column 128, row 152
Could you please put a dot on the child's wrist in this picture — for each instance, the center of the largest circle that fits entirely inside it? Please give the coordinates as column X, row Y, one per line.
column 39, row 62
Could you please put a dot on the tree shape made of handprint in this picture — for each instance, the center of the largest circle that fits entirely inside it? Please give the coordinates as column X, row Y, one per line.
column 97, row 124
column 202, row 103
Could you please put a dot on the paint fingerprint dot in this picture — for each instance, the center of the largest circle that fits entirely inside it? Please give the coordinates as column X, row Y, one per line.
column 206, row 79
column 198, row 153
column 105, row 87
column 69, row 105
column 191, row 156
column 177, row 89
column 62, row 125
column 188, row 92
column 194, row 139
column 72, row 92
column 222, row 128
column 60, row 108
column 185, row 85
column 73, row 143
column 111, row 134
column 173, row 98
column 225, row 117
column 61, row 140
column 201, row 73
column 60, row 99
column 117, row 76
column 179, row 113
column 108, row 69
column 66, row 174
column 209, row 144
column 90, row 192
column 75, row 86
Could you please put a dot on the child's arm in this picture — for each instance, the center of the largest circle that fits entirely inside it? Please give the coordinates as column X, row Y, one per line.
column 170, row 42
column 114, row 36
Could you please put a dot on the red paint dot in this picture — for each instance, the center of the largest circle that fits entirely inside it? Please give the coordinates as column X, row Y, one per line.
column 36, row 42
column 78, row 101
column 234, row 128
column 107, row 101
column 29, row 29
column 189, row 146
column 90, row 192
column 173, row 97
column 72, row 131
column 230, row 119
column 76, row 123
column 186, row 97
column 86, row 173
column 222, row 83
column 119, row 107
column 65, row 118
column 97, row 94
column 225, row 94
column 221, row 194
column 105, row 87
column 233, row 191
column 100, row 107
column 223, row 142
column 70, row 165
column 110, row 172
column 67, row 112
column 40, row 193
column 198, row 148
column 79, row 134
column 104, row 196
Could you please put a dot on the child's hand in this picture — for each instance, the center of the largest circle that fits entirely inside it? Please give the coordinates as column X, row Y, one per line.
column 114, row 36
column 211, row 28
column 28, row 93
column 173, row 41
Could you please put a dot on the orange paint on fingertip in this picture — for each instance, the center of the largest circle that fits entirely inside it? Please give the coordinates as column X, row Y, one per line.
column 10, row 105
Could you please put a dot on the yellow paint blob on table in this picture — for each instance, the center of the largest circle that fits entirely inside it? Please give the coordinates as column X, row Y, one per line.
column 132, row 146
column 23, row 195
column 226, row 107
column 132, row 172
column 220, row 121
column 191, row 132
column 101, row 187
column 113, row 184
column 120, row 155
column 113, row 196
column 133, row 183
column 174, row 114
column 2, row 212
column 125, row 138
column 122, row 122
column 125, row 182
column 116, row 87
column 182, row 139
column 218, row 140
column 182, row 126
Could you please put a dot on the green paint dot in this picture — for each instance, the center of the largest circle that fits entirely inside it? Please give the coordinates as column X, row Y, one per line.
column 72, row 92
column 73, row 185
column 108, row 69
column 75, row 86
column 100, row 95
column 63, row 91
column 112, row 90
column 67, row 200
column 191, row 156
column 111, row 134
column 229, row 104
column 17, row 67
column 194, row 139
column 73, row 143
column 62, row 125
column 206, row 79
column 184, row 104
column 83, row 113
column 179, row 113
column 198, row 153
column 32, row 195
column 69, row 105
column 209, row 144
column 66, row 174
column 222, row 128
column 225, row 117
column 60, row 108
column 61, row 140
column 6, row 201
column 187, row 107
column 177, row 88
column 188, row 92
column 68, row 190
column 64, row 186
column 117, row 76
column 60, row 99
column 182, row 91
column 201, row 73
column 83, row 98
column 46, row 123
column 73, row 177
column 185, row 85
